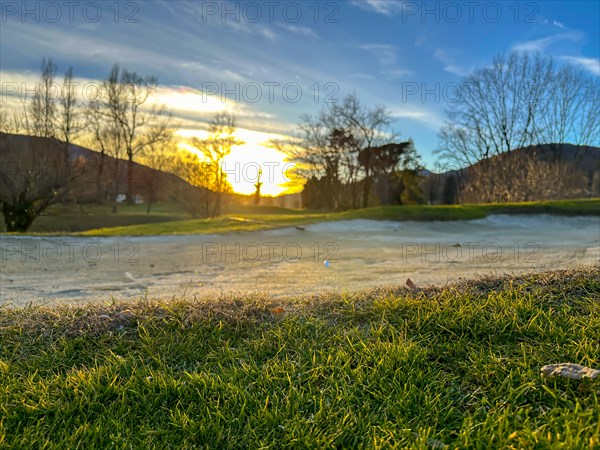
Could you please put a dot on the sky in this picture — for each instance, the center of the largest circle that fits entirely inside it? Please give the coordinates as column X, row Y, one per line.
column 269, row 62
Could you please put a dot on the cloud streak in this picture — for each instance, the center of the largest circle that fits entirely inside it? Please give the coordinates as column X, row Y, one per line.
column 384, row 7
column 449, row 63
column 388, row 60
column 542, row 44
column 592, row 65
column 299, row 30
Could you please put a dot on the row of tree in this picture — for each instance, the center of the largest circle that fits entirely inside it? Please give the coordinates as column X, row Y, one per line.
column 348, row 153
column 350, row 156
column 202, row 168
column 521, row 100
column 119, row 122
column 125, row 126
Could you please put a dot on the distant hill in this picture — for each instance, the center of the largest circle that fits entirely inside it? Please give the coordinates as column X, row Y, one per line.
column 99, row 176
column 585, row 158
column 536, row 172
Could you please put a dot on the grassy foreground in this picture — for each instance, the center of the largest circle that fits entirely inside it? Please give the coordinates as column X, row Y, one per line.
column 458, row 366
column 281, row 217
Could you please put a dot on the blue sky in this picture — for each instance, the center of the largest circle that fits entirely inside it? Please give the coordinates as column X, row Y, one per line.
column 382, row 50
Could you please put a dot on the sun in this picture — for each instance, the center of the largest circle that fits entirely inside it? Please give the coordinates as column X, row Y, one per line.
column 245, row 161
column 243, row 164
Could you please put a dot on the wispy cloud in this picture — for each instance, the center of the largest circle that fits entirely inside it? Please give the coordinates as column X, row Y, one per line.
column 590, row 64
column 449, row 63
column 421, row 39
column 190, row 107
column 250, row 29
column 362, row 76
column 429, row 118
column 299, row 30
column 388, row 61
column 385, row 7
column 558, row 24
column 540, row 45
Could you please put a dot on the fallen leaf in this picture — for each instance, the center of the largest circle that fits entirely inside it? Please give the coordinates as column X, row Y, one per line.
column 570, row 370
column 411, row 285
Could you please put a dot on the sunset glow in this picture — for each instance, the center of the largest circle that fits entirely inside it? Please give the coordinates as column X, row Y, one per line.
column 244, row 161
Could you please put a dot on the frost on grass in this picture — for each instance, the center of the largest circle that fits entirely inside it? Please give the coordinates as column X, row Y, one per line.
column 569, row 370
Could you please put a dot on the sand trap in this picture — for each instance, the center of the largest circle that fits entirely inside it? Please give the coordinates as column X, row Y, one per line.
column 361, row 254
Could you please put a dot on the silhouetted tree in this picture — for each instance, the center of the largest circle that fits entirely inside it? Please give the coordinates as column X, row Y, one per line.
column 411, row 192
column 160, row 156
column 33, row 176
column 330, row 146
column 257, row 187
column 122, row 107
column 221, row 139
column 39, row 170
column 41, row 112
column 195, row 198
column 11, row 122
column 69, row 124
column 384, row 161
column 370, row 127
column 519, row 100
column 450, row 192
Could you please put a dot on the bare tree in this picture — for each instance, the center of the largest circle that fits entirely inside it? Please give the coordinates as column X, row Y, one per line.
column 369, row 127
column 137, row 91
column 123, row 126
column 11, row 122
column 107, row 138
column 257, row 187
column 196, row 198
column 69, row 123
column 335, row 147
column 521, row 99
column 221, row 139
column 124, row 103
column 38, row 170
column 33, row 176
column 571, row 108
column 41, row 114
column 161, row 157
column 321, row 153
column 496, row 108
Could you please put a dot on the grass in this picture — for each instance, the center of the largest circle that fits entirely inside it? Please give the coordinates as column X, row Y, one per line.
column 457, row 366
column 73, row 218
column 223, row 224
column 132, row 220
column 258, row 219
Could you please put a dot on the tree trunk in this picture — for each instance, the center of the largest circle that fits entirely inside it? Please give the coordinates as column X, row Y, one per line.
column 100, row 190
column 257, row 196
column 130, row 193
column 217, row 208
column 366, row 191
column 18, row 216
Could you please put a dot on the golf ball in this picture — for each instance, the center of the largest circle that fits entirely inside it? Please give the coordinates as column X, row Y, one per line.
column 326, row 263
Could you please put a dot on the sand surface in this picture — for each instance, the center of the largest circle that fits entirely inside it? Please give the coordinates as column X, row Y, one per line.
column 290, row 262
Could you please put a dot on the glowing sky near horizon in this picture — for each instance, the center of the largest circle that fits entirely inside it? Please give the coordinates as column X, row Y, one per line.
column 212, row 56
